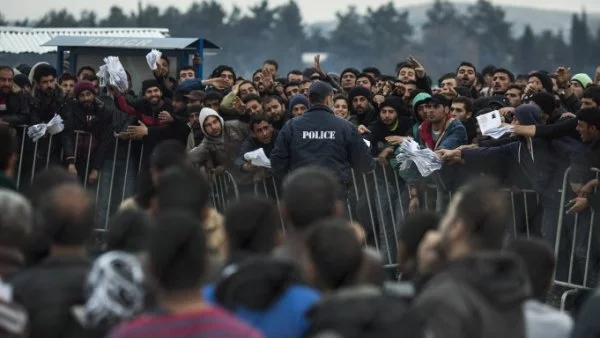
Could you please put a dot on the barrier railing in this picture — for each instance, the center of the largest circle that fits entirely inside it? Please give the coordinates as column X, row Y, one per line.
column 378, row 200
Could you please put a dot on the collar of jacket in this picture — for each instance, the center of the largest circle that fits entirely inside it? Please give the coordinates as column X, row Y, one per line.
column 319, row 107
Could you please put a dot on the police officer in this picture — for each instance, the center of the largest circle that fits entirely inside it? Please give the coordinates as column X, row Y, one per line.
column 320, row 138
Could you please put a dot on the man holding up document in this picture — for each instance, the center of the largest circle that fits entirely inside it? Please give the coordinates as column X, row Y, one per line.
column 255, row 152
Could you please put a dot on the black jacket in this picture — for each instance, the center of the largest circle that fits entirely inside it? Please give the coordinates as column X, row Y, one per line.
column 49, row 291
column 250, row 144
column 42, row 112
column 17, row 109
column 320, row 138
column 99, row 124
column 480, row 295
column 379, row 131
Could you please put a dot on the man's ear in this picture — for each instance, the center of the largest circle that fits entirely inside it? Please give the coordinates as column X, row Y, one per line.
column 469, row 114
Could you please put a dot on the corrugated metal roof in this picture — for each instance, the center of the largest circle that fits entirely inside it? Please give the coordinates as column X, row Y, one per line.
column 29, row 40
column 128, row 42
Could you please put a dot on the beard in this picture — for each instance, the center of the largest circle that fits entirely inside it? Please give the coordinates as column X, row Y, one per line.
column 49, row 92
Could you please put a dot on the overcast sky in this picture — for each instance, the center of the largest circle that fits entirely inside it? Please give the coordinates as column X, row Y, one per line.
column 312, row 10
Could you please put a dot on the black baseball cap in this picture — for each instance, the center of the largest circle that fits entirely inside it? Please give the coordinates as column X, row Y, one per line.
column 321, row 88
column 438, row 99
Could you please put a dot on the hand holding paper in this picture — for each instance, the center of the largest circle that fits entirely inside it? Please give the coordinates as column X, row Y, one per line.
column 153, row 58
column 258, row 158
column 490, row 124
column 425, row 159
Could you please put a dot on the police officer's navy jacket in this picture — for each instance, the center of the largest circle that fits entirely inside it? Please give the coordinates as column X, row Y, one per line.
column 320, row 138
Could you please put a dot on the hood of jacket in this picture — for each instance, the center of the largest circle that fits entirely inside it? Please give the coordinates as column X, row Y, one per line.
column 499, row 277
column 528, row 114
column 206, row 113
column 256, row 282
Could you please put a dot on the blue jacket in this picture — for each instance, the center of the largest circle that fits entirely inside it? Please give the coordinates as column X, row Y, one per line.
column 320, row 138
column 286, row 318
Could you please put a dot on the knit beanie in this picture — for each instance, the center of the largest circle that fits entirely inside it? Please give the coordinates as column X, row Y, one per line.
column 583, row 79
column 147, row 84
column 544, row 79
column 397, row 104
column 545, row 101
column 82, row 86
column 298, row 99
column 358, row 91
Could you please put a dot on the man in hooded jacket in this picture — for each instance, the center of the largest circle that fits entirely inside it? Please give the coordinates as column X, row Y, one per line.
column 221, row 144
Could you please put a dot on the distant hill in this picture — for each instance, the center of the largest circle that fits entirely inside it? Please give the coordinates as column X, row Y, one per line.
column 539, row 19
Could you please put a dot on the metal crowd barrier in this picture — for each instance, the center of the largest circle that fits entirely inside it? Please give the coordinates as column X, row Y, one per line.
column 377, row 200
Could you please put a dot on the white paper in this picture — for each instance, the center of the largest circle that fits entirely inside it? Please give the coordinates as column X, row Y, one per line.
column 490, row 124
column 153, row 58
column 112, row 73
column 367, row 142
column 425, row 159
column 258, row 158
column 53, row 127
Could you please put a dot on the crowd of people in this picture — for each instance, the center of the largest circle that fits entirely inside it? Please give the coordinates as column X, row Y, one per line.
column 169, row 262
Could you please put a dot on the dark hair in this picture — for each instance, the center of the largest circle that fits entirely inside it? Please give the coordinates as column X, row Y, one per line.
column 91, row 78
column 183, row 188
column 9, row 68
column 129, row 231
column 84, row 68
column 590, row 116
column 511, row 76
column 177, row 251
column 251, row 97
column 515, row 86
column 213, row 95
column 414, row 228
column 270, row 98
column 247, row 82
column 310, row 194
column 488, row 70
column 467, row 102
column 467, row 64
column 186, row 68
column 306, row 81
column 295, row 72
column 47, row 180
column 272, row 62
column 67, row 213
column 291, row 84
column 592, row 92
column 445, row 77
column 8, row 141
column 220, row 69
column 485, row 222
column 43, row 70
column 373, row 70
column 167, row 154
column 164, row 57
column 341, row 97
column 404, row 64
column 369, row 77
column 539, row 262
column 257, row 120
column 66, row 77
column 335, row 252
column 251, row 224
